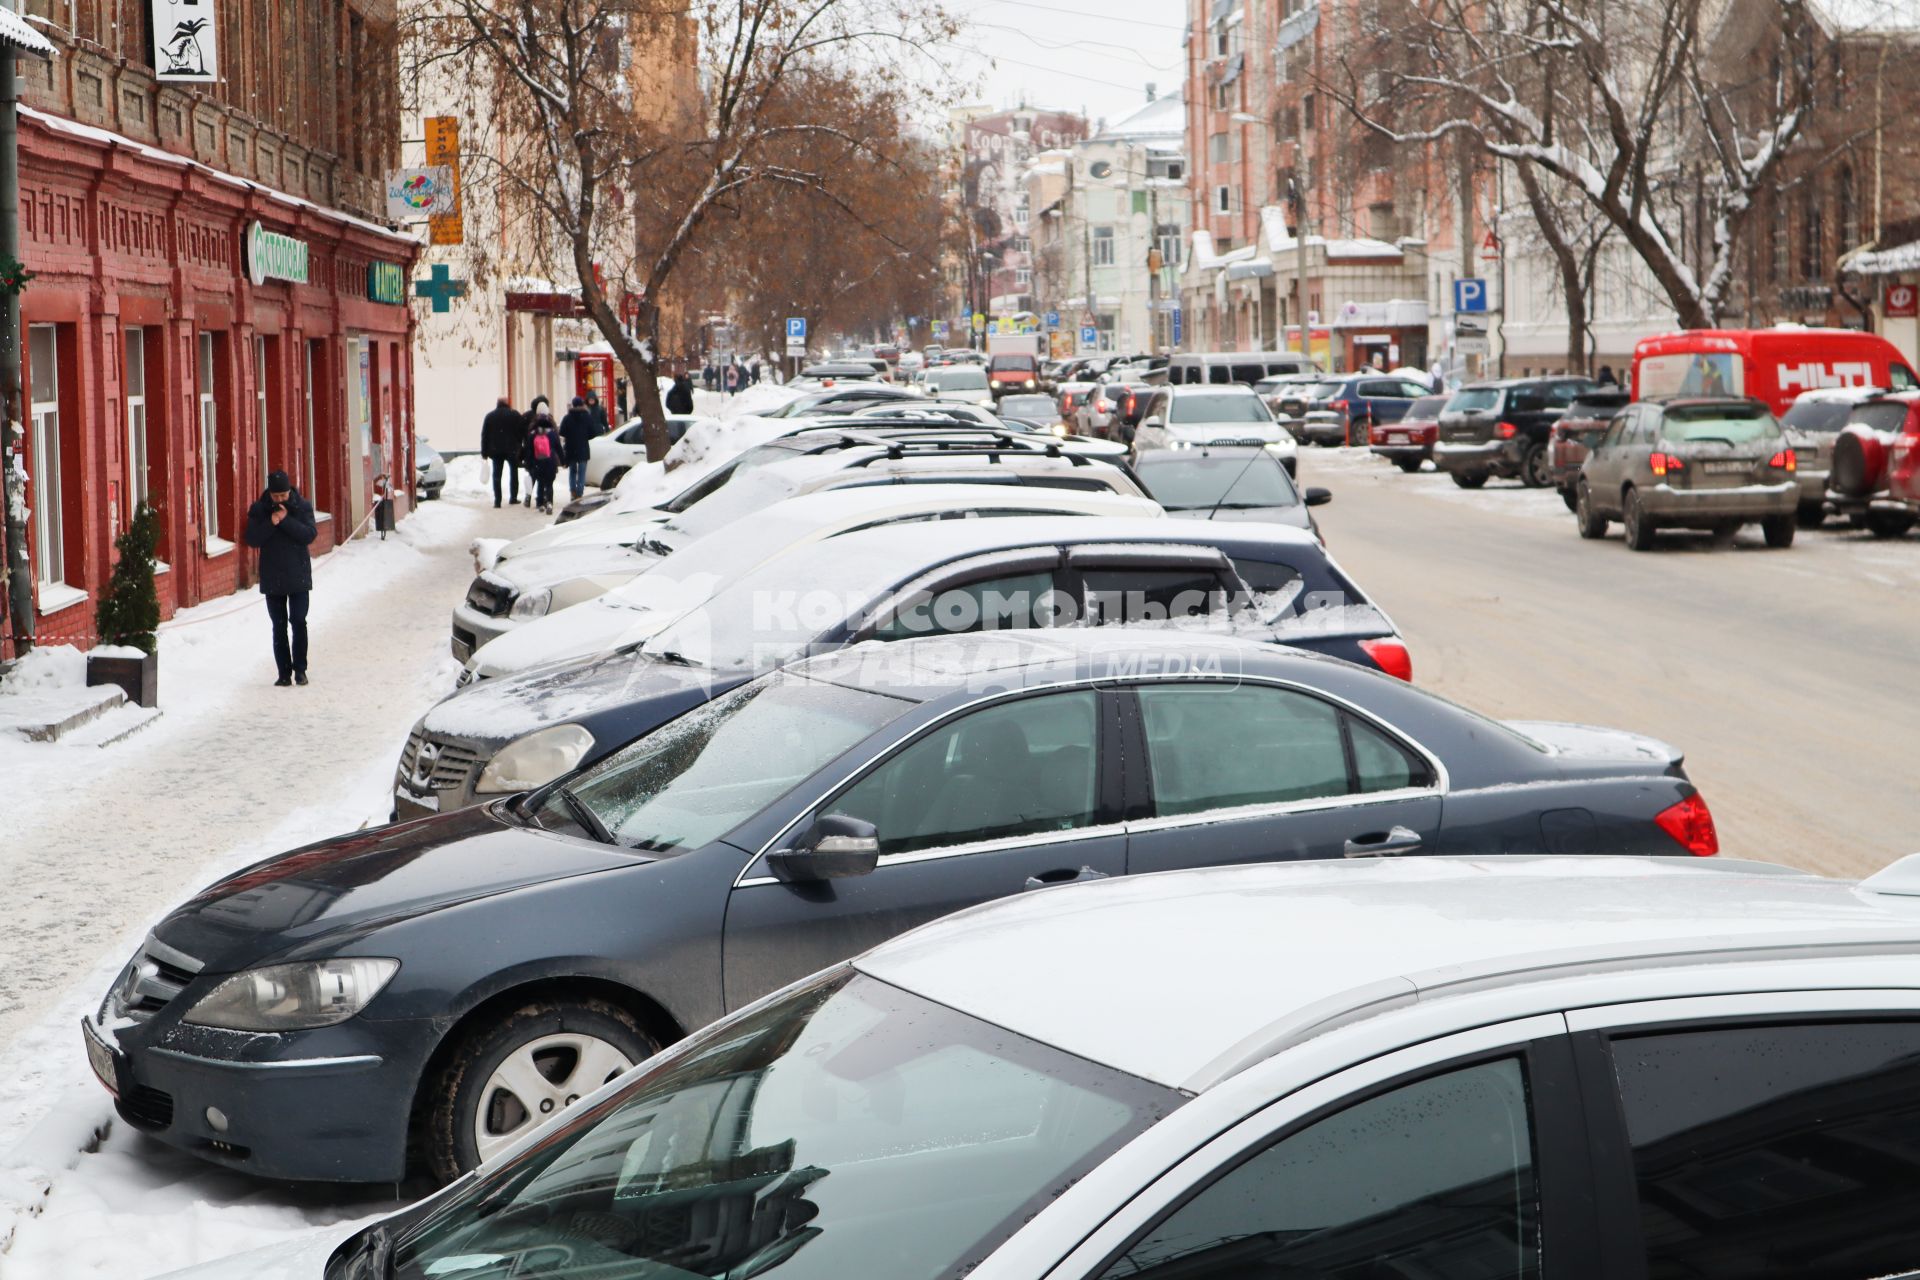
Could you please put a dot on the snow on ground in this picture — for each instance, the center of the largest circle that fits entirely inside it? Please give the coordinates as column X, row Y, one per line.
column 469, row 476
column 100, row 842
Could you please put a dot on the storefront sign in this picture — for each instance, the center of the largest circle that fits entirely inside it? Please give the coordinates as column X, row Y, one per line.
column 386, row 282
column 185, row 36
column 1903, row 300
column 419, row 193
column 443, row 151
column 272, row 256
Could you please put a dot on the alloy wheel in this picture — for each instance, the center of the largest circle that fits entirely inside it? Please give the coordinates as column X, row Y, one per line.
column 538, row 1080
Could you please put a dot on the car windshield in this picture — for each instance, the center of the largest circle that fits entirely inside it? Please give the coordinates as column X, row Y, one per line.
column 1718, row 422
column 1201, row 479
column 848, row 1129
column 1218, row 408
column 1817, row 415
column 1013, row 364
column 960, row 380
column 1474, row 399
column 696, row 778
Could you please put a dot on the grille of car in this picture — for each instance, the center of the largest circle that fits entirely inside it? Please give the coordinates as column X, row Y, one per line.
column 489, row 597
column 147, row 1108
column 429, row 763
column 149, row 982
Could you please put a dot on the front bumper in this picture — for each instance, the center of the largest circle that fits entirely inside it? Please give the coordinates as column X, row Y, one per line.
column 1321, row 430
column 1813, row 488
column 328, row 1105
column 1708, row 507
column 437, row 774
column 471, row 629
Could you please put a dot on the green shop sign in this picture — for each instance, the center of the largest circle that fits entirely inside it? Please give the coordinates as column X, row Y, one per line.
column 272, row 256
column 386, row 282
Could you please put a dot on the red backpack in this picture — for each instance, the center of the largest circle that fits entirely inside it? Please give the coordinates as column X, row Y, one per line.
column 542, row 445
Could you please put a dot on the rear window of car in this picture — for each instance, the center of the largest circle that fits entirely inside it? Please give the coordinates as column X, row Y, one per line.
column 1323, row 390
column 1599, row 410
column 961, row 380
column 1884, row 415
column 1718, row 423
column 1427, row 407
column 1473, row 399
column 1817, row 415
column 1219, row 408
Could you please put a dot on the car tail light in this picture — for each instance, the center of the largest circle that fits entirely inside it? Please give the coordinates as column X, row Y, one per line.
column 1390, row 655
column 1691, row 824
column 1340, row 407
column 1662, row 463
column 1783, row 461
column 1506, row 431
column 1131, row 400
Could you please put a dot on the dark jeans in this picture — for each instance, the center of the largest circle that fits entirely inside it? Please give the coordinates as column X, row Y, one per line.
column 543, row 491
column 513, row 479
column 285, row 610
column 577, row 478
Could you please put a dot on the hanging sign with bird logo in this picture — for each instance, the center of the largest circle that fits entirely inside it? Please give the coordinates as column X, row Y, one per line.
column 185, row 40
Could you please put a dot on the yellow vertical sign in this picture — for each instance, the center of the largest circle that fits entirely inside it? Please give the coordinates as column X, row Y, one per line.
column 443, row 148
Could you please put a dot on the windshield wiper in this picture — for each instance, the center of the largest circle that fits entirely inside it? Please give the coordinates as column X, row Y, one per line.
column 587, row 818
column 671, row 657
column 653, row 546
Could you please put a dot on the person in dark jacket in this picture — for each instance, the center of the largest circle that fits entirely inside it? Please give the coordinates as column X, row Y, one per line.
column 280, row 526
column 680, row 398
column 577, row 431
column 544, row 451
column 535, row 411
column 502, row 434
column 599, row 412
column 1606, row 378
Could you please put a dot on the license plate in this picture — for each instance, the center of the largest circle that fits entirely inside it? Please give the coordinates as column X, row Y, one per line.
column 1725, row 468
column 104, row 1061
column 1398, row 437
column 403, row 799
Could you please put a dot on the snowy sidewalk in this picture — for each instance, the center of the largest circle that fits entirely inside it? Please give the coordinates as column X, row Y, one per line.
column 100, row 842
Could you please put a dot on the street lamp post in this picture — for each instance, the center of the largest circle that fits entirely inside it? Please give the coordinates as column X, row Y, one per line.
column 1296, row 198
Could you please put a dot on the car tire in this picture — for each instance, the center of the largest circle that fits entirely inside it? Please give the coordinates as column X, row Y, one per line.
column 1779, row 530
column 1536, row 468
column 1889, row 524
column 1470, row 479
column 1811, row 515
column 1569, row 496
column 1639, row 527
column 614, row 477
column 1408, row 465
column 470, row 1091
column 1363, row 428
column 1590, row 522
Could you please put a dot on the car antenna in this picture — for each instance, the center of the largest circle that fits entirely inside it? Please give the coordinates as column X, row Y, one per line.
column 1221, row 500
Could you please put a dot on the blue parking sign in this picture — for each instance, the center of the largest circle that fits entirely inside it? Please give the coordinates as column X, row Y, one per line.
column 1089, row 336
column 796, row 329
column 1178, row 317
column 1469, row 294
column 1053, row 319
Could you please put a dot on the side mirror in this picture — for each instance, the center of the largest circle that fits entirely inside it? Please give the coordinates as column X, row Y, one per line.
column 1318, row 497
column 835, row 847
column 1155, row 421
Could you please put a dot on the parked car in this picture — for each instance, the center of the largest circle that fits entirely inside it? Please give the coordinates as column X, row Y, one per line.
column 1028, row 408
column 467, row 976
column 1221, row 368
column 611, row 456
column 1773, row 366
column 834, row 372
column 1693, row 464
column 1813, row 426
column 1229, row 482
column 1069, row 394
column 1873, row 451
column 965, row 383
column 513, row 595
column 1183, row 417
column 1408, row 442
column 1285, row 392
column 1356, row 404
column 1110, row 409
column 609, row 679
column 1503, row 428
column 430, row 470
column 1012, row 373
column 842, row 398
column 1575, row 433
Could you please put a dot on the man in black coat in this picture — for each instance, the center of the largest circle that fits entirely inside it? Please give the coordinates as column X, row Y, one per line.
column 280, row 526
column 680, row 399
column 577, row 431
column 502, row 433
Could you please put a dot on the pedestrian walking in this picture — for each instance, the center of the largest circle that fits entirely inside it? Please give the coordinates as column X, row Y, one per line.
column 280, row 527
column 680, row 398
column 537, row 410
column 577, row 431
column 1606, row 378
column 732, row 377
column 502, row 433
column 599, row 412
column 544, row 448
column 709, row 376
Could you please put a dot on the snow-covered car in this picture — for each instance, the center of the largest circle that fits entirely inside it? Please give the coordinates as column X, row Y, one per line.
column 1043, row 409
column 666, row 578
column 1438, row 1067
column 1184, row 417
column 967, row 384
column 430, row 470
column 1813, row 425
column 506, row 598
column 613, row 455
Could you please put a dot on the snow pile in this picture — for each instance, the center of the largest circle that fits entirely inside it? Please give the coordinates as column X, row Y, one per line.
column 712, row 441
column 58, row 666
column 759, row 399
column 486, row 552
column 469, row 476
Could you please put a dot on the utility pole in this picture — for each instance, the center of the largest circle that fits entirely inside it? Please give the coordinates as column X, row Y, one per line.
column 13, row 495
column 1297, row 197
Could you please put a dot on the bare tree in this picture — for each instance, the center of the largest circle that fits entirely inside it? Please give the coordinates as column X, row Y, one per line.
column 626, row 128
column 1603, row 99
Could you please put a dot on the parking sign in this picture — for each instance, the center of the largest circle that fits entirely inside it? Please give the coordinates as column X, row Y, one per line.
column 1053, row 319
column 1177, row 335
column 1089, row 336
column 796, row 329
column 1469, row 294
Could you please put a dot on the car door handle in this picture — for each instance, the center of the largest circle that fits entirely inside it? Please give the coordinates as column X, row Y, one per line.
column 1380, row 844
column 1062, row 875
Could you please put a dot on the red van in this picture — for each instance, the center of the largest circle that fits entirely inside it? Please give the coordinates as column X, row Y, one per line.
column 1770, row 365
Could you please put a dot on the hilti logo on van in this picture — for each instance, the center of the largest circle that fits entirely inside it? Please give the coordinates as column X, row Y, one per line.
column 1811, row 374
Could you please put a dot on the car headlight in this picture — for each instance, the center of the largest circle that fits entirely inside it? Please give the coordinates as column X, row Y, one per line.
column 534, row 604
column 1029, row 384
column 535, row 760
column 1059, row 429
column 293, row 997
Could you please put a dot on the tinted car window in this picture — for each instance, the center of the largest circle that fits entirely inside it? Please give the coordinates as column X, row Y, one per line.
column 635, row 434
column 1474, row 399
column 1776, row 1151
column 1901, row 378
column 1199, row 480
column 1432, row 1180
column 993, row 604
column 1888, row 415
column 1426, row 407
column 1017, row 769
column 1380, row 763
column 1526, row 400
column 1561, row 394
column 1730, row 425
column 1213, row 746
column 1249, row 373
column 1817, row 415
column 1151, row 595
column 1218, row 373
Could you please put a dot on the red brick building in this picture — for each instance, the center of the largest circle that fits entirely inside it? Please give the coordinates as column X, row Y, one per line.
column 212, row 298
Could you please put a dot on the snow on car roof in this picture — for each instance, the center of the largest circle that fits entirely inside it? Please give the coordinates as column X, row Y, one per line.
column 1241, row 960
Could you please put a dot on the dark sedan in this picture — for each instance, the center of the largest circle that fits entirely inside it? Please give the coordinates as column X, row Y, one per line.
column 440, row 987
column 1228, row 482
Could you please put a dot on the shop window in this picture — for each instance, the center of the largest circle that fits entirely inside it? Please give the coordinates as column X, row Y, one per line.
column 310, row 460
column 216, row 472
column 49, row 504
column 133, row 385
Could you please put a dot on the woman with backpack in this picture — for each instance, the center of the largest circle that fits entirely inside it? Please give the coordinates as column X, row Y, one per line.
column 543, row 458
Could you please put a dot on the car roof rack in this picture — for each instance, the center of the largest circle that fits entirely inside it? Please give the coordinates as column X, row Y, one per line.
column 974, row 449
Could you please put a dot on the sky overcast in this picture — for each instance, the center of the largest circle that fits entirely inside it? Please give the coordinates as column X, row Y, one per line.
column 1091, row 55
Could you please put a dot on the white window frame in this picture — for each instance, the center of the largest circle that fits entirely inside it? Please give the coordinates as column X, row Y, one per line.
column 260, row 404
column 49, row 511
column 1223, row 198
column 204, row 380
column 311, row 471
column 133, row 356
column 1103, row 246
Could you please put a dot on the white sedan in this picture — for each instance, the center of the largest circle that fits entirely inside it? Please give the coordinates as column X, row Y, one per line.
column 1537, row 1068
column 964, row 383
column 1186, row 417
column 611, row 456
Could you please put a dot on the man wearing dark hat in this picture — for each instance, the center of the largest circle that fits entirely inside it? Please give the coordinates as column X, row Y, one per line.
column 280, row 526
column 577, row 431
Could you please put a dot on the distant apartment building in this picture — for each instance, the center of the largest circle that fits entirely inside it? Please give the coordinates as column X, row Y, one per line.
column 995, row 149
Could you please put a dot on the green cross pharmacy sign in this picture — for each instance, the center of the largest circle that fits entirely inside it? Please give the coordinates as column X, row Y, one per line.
column 272, row 256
